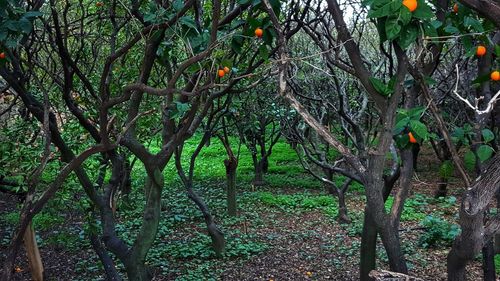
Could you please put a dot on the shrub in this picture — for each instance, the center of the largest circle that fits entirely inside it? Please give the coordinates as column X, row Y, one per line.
column 438, row 232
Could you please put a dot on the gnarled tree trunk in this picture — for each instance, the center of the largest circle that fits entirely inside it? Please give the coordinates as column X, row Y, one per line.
column 474, row 234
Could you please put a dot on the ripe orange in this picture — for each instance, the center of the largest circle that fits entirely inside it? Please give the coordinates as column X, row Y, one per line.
column 259, row 32
column 99, row 4
column 455, row 8
column 410, row 4
column 226, row 69
column 412, row 138
column 309, row 274
column 221, row 73
column 495, row 75
column 481, row 51
column 2, row 55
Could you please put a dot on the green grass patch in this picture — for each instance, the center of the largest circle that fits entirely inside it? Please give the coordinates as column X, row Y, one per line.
column 413, row 209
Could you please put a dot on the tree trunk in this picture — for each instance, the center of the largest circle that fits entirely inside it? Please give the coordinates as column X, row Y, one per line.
column 489, row 262
column 218, row 241
column 258, row 179
column 475, row 201
column 137, row 271
column 34, row 259
column 392, row 245
column 343, row 217
column 136, row 258
column 368, row 247
column 442, row 190
column 231, row 166
column 106, row 260
column 265, row 164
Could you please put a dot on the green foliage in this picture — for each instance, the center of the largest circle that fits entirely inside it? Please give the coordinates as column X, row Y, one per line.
column 303, row 201
column 446, row 169
column 42, row 221
column 15, row 22
column 396, row 22
column 438, row 232
column 408, row 120
column 497, row 263
column 413, row 208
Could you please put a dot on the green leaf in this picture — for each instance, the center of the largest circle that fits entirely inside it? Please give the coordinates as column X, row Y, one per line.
column 474, row 24
column 404, row 16
column 379, row 86
column 188, row 21
column 383, row 8
column 484, row 152
column 419, row 129
column 451, row 29
column 423, row 11
column 408, row 35
column 402, row 123
column 32, row 14
column 497, row 50
column 446, row 170
column 487, row 135
column 470, row 160
column 416, row 112
column 178, row 5
column 264, row 52
column 392, row 27
column 429, row 30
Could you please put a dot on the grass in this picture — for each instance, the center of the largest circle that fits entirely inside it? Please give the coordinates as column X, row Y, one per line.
column 413, row 209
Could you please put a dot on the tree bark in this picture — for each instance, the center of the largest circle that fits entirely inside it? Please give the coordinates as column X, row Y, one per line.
column 231, row 167
column 489, row 273
column 442, row 190
column 472, row 237
column 34, row 259
column 258, row 179
column 368, row 247
column 218, row 241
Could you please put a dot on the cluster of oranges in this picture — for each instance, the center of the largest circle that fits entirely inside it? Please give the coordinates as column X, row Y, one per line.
column 225, row 70
column 480, row 52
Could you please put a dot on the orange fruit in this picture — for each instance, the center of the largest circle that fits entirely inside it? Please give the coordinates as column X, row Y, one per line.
column 99, row 4
column 2, row 55
column 412, row 138
column 455, row 8
column 309, row 274
column 221, row 73
column 481, row 51
column 495, row 75
column 259, row 32
column 226, row 69
column 410, row 4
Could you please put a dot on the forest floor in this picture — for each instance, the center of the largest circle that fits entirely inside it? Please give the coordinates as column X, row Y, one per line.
column 285, row 230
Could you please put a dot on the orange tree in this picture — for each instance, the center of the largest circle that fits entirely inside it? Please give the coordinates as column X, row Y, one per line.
column 116, row 78
column 405, row 54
